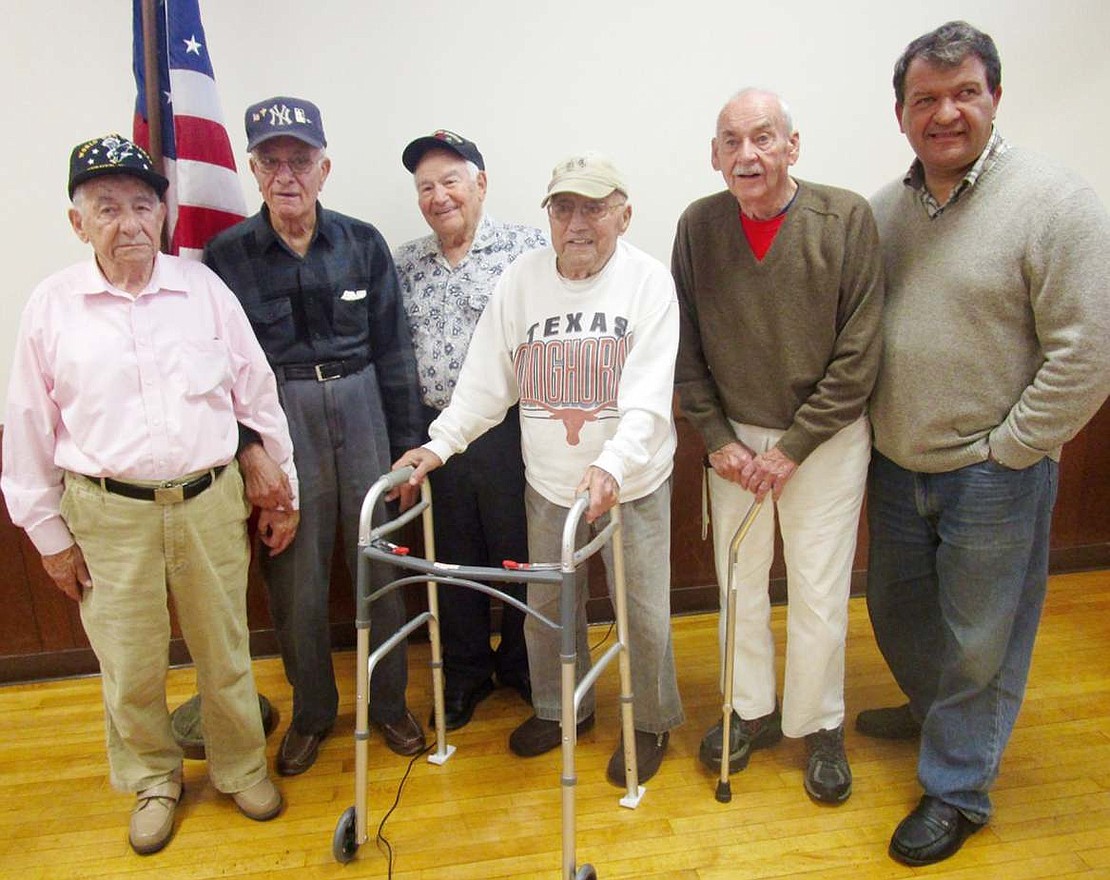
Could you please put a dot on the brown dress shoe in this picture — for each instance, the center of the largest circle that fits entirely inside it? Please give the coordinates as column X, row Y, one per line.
column 538, row 735
column 152, row 818
column 298, row 751
column 404, row 736
column 650, row 748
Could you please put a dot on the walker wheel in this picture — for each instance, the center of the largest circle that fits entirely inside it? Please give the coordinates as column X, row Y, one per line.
column 343, row 843
column 586, row 872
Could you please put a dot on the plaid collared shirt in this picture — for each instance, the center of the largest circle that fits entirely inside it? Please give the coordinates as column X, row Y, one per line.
column 915, row 178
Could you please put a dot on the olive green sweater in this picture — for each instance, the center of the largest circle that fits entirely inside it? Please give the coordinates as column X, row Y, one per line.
column 996, row 331
column 789, row 342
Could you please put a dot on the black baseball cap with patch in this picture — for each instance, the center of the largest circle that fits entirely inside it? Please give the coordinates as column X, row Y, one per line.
column 441, row 140
column 113, row 154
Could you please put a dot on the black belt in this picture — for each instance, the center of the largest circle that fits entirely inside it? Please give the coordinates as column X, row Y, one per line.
column 169, row 492
column 322, row 372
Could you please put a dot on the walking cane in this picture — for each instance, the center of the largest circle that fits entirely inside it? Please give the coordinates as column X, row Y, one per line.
column 724, row 787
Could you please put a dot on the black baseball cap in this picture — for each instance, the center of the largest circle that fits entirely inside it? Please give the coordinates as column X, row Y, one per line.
column 441, row 140
column 113, row 154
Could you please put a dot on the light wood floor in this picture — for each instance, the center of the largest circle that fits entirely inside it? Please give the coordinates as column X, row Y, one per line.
column 488, row 814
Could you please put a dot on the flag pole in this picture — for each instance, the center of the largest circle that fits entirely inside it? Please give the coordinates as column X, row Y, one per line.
column 150, row 83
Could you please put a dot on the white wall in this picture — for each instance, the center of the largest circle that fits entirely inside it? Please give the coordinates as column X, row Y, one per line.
column 639, row 79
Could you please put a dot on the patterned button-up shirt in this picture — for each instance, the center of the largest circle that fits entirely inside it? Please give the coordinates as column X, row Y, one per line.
column 915, row 178
column 443, row 304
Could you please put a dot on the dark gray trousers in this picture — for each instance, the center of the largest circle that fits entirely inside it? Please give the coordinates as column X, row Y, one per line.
column 340, row 447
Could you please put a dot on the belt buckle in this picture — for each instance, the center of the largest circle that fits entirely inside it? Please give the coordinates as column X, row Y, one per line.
column 329, row 371
column 169, row 494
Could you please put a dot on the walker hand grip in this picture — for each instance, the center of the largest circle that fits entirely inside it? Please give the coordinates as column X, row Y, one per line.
column 396, row 478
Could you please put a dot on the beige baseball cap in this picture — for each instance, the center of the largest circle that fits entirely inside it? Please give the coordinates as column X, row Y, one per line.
column 588, row 174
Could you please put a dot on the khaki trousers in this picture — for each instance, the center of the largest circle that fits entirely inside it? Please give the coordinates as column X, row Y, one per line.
column 197, row 552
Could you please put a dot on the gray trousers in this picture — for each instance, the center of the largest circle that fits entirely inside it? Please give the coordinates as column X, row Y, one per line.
column 340, row 448
column 646, row 537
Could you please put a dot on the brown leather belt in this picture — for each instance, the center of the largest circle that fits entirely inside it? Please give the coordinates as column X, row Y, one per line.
column 170, row 492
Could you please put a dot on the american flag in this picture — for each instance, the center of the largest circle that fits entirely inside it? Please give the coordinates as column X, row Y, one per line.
column 205, row 195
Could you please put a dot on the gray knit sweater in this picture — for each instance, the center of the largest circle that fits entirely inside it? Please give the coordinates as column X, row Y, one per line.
column 996, row 331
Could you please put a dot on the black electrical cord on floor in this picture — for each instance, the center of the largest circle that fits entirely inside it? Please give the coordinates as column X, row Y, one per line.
column 381, row 840
column 604, row 638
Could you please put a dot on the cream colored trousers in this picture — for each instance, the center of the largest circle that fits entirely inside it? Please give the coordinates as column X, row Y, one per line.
column 818, row 516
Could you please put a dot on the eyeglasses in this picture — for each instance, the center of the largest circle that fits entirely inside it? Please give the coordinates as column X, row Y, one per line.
column 563, row 209
column 296, row 164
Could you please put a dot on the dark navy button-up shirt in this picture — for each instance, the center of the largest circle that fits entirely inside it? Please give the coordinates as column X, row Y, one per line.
column 339, row 301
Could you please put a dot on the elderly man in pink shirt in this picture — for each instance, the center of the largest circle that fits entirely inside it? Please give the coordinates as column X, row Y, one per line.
column 131, row 372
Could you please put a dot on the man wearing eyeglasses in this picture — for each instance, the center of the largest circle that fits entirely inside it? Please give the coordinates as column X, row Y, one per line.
column 780, row 284
column 321, row 292
column 583, row 336
column 446, row 281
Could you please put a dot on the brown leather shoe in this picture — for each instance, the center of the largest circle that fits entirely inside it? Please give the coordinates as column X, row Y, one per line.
column 152, row 818
column 298, row 751
column 538, row 735
column 404, row 736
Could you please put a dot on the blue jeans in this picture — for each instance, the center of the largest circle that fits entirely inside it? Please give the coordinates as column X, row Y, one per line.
column 956, row 582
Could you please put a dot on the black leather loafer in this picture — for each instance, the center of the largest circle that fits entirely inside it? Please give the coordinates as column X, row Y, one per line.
column 931, row 833
column 458, row 706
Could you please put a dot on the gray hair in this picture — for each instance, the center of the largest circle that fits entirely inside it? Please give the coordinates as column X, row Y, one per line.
column 948, row 46
column 784, row 108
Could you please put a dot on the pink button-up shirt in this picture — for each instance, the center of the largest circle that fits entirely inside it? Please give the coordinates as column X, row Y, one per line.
column 148, row 387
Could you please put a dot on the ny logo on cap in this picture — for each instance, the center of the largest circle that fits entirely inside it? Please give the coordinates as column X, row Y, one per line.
column 444, row 135
column 283, row 115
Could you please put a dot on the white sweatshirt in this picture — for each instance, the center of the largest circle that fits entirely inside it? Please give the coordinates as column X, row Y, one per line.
column 592, row 365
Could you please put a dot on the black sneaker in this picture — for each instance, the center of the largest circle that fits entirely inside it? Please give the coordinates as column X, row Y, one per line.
column 828, row 777
column 649, row 755
column 743, row 737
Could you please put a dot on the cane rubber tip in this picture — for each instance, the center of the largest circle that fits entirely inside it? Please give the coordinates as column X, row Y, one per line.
column 724, row 792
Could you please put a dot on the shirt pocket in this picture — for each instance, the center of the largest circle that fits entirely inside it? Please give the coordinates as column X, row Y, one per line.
column 206, row 368
column 350, row 310
column 272, row 322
